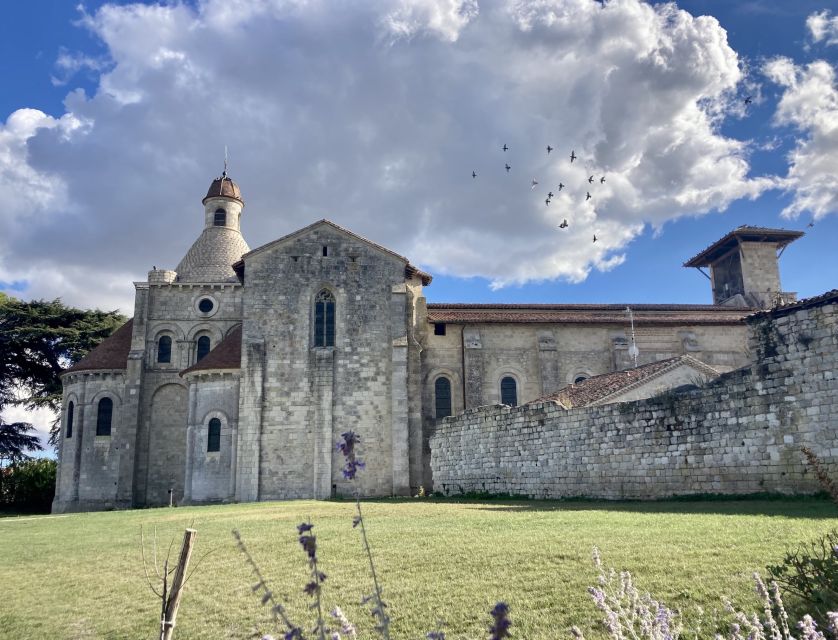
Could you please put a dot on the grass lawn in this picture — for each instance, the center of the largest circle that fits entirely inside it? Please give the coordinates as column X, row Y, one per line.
column 81, row 576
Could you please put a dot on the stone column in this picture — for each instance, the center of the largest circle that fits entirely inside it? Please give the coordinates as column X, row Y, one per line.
column 323, row 382
column 398, row 391
column 548, row 360
column 472, row 367
column 251, row 397
column 190, row 441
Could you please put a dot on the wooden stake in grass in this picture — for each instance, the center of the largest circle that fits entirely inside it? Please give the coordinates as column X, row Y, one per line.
column 171, row 601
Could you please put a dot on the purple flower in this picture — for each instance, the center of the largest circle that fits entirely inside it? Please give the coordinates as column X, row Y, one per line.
column 309, row 544
column 311, row 588
column 347, row 447
column 302, row 528
column 435, row 635
column 500, row 629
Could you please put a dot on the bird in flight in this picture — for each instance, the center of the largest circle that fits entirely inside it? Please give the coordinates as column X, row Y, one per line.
column 811, row 224
column 572, row 156
column 550, row 194
column 547, row 202
column 507, row 168
column 561, row 186
column 563, row 225
column 587, row 196
column 534, row 182
column 590, row 179
column 549, row 149
column 505, row 147
column 594, row 237
column 748, row 100
column 473, row 174
column 602, row 180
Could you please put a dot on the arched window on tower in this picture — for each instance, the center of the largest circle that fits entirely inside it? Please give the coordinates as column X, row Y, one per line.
column 214, row 435
column 70, row 409
column 104, row 417
column 164, row 350
column 202, row 348
column 442, row 397
column 509, row 391
column 220, row 218
column 324, row 319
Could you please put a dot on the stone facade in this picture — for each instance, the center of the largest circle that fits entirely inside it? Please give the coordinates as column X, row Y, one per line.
column 240, row 369
column 739, row 434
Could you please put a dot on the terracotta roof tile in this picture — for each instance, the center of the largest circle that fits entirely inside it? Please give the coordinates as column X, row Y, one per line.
column 111, row 353
column 829, row 297
column 744, row 233
column 599, row 387
column 644, row 314
column 226, row 355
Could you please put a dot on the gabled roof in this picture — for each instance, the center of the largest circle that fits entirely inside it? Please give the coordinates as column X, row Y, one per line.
column 226, row 355
column 410, row 270
column 111, row 353
column 745, row 233
column 599, row 388
column 645, row 314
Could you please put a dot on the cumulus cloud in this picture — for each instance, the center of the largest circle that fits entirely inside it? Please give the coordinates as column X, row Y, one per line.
column 823, row 27
column 809, row 104
column 374, row 115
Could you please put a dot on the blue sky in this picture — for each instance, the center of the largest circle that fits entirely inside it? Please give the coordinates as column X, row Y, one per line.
column 484, row 241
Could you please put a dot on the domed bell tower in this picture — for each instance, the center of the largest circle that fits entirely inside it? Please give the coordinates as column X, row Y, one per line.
column 223, row 204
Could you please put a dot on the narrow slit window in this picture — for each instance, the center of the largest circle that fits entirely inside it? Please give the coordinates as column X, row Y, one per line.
column 70, row 411
column 164, row 350
column 104, row 416
column 324, row 319
column 220, row 218
column 442, row 397
column 325, row 251
column 509, row 391
column 214, row 435
column 203, row 348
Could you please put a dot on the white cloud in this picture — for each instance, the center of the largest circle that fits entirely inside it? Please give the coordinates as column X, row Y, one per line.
column 822, row 26
column 374, row 115
column 809, row 103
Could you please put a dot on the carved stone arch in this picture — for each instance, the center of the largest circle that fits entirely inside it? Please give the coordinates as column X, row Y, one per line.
column 113, row 395
column 167, row 420
column 163, row 328
column 233, row 328
column 206, row 328
column 429, row 390
column 517, row 375
column 575, row 374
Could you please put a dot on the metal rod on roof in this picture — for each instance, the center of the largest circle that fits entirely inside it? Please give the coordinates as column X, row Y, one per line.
column 633, row 350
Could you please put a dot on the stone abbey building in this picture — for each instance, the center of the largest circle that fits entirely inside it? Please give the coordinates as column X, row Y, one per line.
column 241, row 367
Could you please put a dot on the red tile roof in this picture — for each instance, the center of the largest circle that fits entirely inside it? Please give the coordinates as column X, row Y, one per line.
column 600, row 387
column 744, row 233
column 111, row 353
column 226, row 355
column 644, row 314
column 829, row 297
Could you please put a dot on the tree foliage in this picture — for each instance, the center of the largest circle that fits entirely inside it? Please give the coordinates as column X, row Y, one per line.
column 39, row 339
column 28, row 485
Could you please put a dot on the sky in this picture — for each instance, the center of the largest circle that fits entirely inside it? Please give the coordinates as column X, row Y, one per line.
column 114, row 118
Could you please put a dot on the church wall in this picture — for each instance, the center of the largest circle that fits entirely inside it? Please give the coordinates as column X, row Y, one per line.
column 297, row 399
column 739, row 434
column 210, row 474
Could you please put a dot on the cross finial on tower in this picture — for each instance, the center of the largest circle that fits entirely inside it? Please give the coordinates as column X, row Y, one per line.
column 225, row 162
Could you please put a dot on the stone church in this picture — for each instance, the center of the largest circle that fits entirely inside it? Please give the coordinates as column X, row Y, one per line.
column 241, row 367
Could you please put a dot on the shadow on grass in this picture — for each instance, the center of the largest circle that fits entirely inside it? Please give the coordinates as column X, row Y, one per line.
column 813, row 506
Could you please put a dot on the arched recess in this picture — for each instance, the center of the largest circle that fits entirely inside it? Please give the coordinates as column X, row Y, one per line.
column 520, row 384
column 224, row 433
column 429, row 391
column 166, row 444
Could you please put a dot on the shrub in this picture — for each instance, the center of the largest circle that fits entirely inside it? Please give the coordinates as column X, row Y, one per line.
column 28, row 485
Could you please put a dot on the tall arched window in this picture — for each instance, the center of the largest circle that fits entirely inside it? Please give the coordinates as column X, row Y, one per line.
column 164, row 349
column 442, row 397
column 509, row 391
column 70, row 409
column 203, row 348
column 104, row 417
column 324, row 319
column 220, row 218
column 214, row 435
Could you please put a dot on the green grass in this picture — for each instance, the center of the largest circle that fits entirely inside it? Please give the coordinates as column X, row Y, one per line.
column 80, row 576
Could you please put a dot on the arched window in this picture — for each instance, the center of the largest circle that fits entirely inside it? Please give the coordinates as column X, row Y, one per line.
column 324, row 319
column 580, row 378
column 442, row 397
column 509, row 391
column 220, row 218
column 203, row 348
column 104, row 417
column 70, row 408
column 164, row 349
column 214, row 435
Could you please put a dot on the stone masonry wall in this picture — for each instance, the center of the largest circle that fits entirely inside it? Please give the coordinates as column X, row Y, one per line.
column 739, row 434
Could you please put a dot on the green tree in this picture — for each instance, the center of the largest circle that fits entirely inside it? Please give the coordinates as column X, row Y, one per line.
column 38, row 340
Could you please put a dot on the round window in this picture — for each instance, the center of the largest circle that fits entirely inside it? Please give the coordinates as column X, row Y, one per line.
column 205, row 305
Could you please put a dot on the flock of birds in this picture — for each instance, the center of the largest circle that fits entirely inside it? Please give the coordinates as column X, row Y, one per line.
column 592, row 179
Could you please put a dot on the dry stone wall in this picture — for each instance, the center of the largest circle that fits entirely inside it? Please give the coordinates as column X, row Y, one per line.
column 740, row 434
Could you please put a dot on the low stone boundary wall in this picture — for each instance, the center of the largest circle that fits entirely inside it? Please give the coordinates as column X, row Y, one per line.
column 740, row 434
